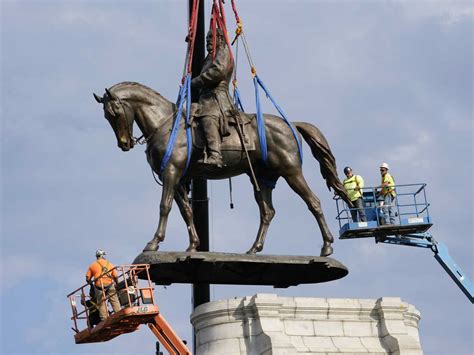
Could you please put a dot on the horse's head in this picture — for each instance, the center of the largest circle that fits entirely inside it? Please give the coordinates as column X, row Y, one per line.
column 120, row 116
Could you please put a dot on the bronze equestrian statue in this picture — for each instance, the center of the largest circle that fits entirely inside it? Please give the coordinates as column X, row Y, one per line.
column 232, row 143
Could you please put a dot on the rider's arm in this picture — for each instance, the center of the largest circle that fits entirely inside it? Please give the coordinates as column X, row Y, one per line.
column 214, row 74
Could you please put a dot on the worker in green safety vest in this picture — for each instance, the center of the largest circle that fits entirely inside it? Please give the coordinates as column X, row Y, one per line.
column 354, row 184
column 388, row 194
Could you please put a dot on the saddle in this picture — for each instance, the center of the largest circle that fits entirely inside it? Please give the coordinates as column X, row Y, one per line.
column 232, row 142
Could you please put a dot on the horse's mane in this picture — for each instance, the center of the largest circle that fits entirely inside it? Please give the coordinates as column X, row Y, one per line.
column 137, row 92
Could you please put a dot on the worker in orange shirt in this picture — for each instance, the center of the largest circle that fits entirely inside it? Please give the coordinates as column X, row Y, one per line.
column 104, row 278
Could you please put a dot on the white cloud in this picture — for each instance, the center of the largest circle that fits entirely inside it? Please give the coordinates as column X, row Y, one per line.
column 447, row 12
column 19, row 268
column 84, row 17
column 413, row 154
column 16, row 268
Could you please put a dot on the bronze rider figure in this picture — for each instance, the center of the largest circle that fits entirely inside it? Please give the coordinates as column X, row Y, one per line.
column 215, row 103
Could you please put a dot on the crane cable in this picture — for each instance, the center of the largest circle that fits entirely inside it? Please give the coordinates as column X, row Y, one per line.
column 184, row 95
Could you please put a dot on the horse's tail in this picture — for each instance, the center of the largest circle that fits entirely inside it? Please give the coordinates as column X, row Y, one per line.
column 321, row 151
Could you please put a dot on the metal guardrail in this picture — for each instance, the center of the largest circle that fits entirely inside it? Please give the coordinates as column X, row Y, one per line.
column 410, row 202
column 138, row 291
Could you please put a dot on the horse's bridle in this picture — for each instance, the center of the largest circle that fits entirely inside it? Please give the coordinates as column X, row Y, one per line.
column 129, row 123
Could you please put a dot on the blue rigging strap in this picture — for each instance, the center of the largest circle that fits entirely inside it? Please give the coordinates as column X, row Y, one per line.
column 237, row 101
column 189, row 138
column 261, row 124
column 184, row 93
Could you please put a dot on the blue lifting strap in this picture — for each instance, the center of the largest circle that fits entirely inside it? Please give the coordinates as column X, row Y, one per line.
column 189, row 138
column 184, row 92
column 261, row 124
column 237, row 100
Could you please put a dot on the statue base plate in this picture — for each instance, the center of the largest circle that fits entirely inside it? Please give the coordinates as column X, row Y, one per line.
column 279, row 271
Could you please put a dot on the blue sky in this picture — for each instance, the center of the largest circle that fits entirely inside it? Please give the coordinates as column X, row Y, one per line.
column 385, row 81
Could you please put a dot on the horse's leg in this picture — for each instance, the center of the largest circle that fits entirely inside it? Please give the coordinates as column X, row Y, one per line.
column 298, row 183
column 265, row 205
column 181, row 198
column 170, row 182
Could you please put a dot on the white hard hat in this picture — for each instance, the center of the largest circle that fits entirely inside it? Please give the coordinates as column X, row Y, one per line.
column 99, row 252
column 385, row 165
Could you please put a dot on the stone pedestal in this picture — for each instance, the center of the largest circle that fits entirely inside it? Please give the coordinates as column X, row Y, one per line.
column 267, row 324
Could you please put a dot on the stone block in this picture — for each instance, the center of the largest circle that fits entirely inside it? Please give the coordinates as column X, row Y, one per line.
column 392, row 327
column 311, row 308
column 273, row 324
column 288, row 303
column 311, row 314
column 223, row 331
column 328, row 328
column 266, row 305
column 298, row 327
column 357, row 328
column 373, row 344
column 297, row 342
column 310, row 302
column 350, row 303
column 224, row 347
column 202, row 349
column 320, row 344
column 346, row 344
column 210, row 307
column 210, row 314
column 413, row 332
column 279, row 340
column 282, row 352
column 347, row 309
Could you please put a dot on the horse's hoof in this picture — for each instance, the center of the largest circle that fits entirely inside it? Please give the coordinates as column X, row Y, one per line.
column 151, row 246
column 191, row 249
column 255, row 249
column 326, row 250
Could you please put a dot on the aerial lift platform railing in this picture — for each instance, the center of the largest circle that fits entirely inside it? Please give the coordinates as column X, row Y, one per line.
column 410, row 207
column 135, row 293
column 412, row 221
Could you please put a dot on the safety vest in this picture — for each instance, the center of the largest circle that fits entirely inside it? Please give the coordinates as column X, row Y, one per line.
column 351, row 183
column 101, row 267
column 388, row 189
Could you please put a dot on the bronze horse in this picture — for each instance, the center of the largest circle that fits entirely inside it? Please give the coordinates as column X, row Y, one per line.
column 127, row 102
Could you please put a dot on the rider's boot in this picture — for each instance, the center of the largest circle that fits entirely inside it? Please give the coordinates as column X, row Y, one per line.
column 203, row 159
column 215, row 158
column 213, row 139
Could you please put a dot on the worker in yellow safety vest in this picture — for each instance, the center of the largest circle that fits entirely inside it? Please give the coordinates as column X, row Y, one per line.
column 388, row 194
column 353, row 184
column 104, row 276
